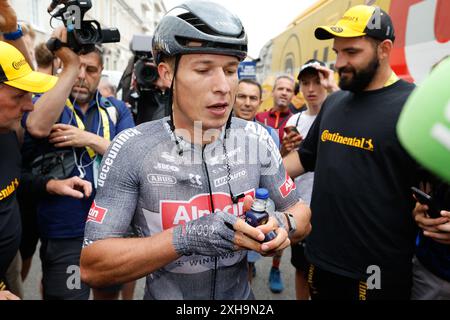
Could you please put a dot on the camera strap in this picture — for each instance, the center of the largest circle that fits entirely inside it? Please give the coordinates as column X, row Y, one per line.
column 80, row 124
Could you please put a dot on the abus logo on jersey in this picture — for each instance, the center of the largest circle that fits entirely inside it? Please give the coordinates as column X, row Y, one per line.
column 161, row 179
column 287, row 187
column 96, row 214
column 180, row 212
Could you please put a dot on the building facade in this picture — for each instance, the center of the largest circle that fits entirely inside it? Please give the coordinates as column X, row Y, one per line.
column 129, row 16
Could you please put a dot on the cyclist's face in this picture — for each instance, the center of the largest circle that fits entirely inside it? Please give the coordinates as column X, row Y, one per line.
column 13, row 103
column 204, row 90
column 88, row 78
column 247, row 101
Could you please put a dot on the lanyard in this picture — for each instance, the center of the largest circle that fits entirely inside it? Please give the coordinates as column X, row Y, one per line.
column 80, row 124
column 392, row 79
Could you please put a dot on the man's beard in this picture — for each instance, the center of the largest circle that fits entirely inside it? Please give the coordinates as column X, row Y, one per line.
column 81, row 97
column 361, row 79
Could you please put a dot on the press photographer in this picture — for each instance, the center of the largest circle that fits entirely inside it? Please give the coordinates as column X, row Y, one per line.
column 75, row 130
column 140, row 83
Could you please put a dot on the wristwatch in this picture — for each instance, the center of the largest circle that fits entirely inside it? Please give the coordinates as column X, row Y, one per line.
column 291, row 223
column 14, row 35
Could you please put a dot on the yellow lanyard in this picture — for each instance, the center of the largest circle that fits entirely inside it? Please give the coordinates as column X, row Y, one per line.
column 80, row 124
column 392, row 79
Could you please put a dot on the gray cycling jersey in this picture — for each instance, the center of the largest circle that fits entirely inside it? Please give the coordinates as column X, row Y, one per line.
column 144, row 182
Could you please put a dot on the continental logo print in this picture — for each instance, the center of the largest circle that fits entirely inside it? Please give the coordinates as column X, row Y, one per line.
column 18, row 64
column 9, row 190
column 362, row 143
column 337, row 29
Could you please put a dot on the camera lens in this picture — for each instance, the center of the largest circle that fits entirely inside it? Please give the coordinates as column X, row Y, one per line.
column 146, row 74
column 88, row 34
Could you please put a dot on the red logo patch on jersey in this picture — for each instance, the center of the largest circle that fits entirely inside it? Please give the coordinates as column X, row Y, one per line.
column 96, row 214
column 287, row 187
column 174, row 213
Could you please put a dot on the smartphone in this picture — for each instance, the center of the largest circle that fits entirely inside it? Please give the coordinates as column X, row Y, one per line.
column 291, row 129
column 434, row 210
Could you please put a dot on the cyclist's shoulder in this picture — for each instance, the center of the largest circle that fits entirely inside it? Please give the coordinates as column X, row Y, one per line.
column 152, row 132
column 250, row 129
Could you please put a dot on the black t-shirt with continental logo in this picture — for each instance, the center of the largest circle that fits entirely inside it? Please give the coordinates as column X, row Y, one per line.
column 10, row 226
column 361, row 202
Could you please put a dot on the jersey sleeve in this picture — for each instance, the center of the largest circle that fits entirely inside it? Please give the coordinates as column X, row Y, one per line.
column 115, row 203
column 282, row 189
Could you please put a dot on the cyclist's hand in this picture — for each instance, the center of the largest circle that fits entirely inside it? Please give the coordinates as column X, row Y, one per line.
column 8, row 18
column 73, row 187
column 214, row 235
column 277, row 223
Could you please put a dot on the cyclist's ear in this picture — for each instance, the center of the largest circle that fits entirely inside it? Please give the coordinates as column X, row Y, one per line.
column 165, row 71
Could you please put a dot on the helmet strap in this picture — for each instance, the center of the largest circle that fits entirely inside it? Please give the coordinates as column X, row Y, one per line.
column 170, row 106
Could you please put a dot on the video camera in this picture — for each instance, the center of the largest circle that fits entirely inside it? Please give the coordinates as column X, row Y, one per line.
column 82, row 35
column 140, row 83
column 145, row 69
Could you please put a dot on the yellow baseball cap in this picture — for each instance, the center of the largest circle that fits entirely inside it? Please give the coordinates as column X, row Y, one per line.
column 360, row 21
column 16, row 72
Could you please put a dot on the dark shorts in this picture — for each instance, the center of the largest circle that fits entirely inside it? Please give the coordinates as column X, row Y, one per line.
column 61, row 270
column 30, row 233
column 298, row 258
column 324, row 285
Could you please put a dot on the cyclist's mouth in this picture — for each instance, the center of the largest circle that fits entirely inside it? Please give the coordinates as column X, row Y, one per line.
column 218, row 109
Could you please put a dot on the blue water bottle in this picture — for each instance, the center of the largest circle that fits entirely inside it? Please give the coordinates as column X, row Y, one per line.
column 258, row 215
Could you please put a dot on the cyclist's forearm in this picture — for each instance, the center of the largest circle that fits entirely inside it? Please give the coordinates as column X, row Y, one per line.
column 115, row 261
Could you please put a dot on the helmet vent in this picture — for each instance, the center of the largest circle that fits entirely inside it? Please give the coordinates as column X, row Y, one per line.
column 197, row 23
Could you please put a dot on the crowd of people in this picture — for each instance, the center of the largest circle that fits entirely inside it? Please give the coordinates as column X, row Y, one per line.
column 166, row 199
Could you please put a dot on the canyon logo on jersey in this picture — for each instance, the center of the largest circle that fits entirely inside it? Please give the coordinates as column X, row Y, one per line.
column 180, row 212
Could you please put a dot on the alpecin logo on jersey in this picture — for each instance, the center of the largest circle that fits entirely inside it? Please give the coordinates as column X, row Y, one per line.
column 180, row 212
column 96, row 214
column 287, row 187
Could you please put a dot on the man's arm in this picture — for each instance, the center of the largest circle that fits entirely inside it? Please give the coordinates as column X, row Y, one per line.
column 8, row 24
column 121, row 260
column 41, row 186
column 64, row 135
column 109, row 261
column 48, row 108
column 293, row 165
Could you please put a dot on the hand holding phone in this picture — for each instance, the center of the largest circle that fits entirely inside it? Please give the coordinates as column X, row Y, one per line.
column 290, row 129
column 434, row 210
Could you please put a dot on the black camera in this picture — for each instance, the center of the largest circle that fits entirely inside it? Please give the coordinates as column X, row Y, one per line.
column 145, row 69
column 82, row 35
